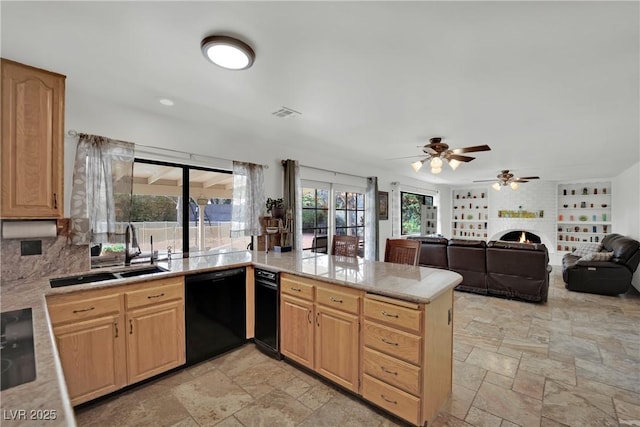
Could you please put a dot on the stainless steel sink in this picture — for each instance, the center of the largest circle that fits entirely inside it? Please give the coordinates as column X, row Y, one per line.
column 99, row 277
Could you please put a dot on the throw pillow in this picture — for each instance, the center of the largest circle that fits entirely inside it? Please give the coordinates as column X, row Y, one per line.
column 598, row 256
column 587, row 248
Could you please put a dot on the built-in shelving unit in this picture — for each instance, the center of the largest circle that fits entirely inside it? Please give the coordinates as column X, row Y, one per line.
column 429, row 220
column 584, row 213
column 470, row 216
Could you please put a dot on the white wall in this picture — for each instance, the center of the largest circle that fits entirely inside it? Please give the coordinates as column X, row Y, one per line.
column 625, row 207
column 100, row 117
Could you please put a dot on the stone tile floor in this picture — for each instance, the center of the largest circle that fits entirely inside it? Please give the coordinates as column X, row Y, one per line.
column 574, row 361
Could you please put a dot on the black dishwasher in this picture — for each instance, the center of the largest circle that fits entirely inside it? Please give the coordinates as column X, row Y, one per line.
column 215, row 313
column 267, row 312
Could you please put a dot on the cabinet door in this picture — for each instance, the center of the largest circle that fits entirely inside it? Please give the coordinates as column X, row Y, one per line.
column 336, row 346
column 32, row 142
column 155, row 339
column 93, row 357
column 296, row 330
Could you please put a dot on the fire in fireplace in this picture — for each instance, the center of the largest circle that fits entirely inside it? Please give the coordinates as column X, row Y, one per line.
column 521, row 236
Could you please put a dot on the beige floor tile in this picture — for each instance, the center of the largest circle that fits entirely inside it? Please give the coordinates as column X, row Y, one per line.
column 557, row 370
column 624, row 379
column 566, row 405
column 499, row 380
column 460, row 402
column 628, row 413
column 494, row 362
column 468, row 375
column 275, row 408
column 478, row 417
column 529, row 383
column 510, row 405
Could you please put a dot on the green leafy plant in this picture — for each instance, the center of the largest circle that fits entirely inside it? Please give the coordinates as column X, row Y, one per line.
column 274, row 203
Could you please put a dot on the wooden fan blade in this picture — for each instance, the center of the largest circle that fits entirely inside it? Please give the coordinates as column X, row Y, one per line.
column 460, row 158
column 471, row 149
column 529, row 177
column 519, row 180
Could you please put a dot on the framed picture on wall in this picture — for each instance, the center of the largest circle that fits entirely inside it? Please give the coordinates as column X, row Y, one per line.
column 383, row 197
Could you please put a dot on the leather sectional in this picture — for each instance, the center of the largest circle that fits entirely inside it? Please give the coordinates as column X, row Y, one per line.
column 604, row 277
column 497, row 268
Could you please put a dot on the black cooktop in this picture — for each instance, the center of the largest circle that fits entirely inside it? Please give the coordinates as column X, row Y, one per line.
column 16, row 348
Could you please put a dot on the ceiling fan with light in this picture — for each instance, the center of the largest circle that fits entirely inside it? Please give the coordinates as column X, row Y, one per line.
column 507, row 178
column 438, row 152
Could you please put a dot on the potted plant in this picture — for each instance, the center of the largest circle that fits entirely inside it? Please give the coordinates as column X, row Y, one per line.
column 275, row 207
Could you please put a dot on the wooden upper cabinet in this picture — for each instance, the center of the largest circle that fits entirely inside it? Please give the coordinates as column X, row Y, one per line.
column 32, row 142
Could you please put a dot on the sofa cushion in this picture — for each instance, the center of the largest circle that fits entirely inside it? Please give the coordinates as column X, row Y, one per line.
column 597, row 256
column 624, row 248
column 433, row 251
column 587, row 248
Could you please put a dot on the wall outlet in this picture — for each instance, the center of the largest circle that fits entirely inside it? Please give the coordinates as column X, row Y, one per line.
column 30, row 247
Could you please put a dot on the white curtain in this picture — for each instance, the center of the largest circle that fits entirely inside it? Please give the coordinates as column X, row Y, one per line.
column 248, row 199
column 371, row 215
column 102, row 189
column 394, row 209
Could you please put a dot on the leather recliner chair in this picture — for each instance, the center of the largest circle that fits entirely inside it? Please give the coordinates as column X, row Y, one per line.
column 604, row 277
column 433, row 251
column 468, row 258
column 518, row 270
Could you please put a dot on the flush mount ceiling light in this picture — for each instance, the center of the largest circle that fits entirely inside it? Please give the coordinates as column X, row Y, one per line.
column 227, row 52
column 438, row 153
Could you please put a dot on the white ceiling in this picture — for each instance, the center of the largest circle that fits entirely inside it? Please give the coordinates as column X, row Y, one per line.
column 552, row 87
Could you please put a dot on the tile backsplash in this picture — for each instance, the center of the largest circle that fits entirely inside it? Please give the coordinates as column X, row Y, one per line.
column 58, row 257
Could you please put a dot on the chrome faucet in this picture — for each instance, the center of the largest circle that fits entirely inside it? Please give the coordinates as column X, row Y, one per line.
column 130, row 240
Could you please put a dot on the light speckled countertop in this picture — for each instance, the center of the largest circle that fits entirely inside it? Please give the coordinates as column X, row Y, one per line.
column 48, row 391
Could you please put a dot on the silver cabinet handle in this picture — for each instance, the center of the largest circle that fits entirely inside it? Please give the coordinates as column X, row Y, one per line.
column 116, row 326
column 84, row 310
column 130, row 327
column 317, row 320
column 388, row 371
column 309, row 316
column 384, row 313
column 296, row 289
column 389, row 342
column 395, row 402
column 335, row 300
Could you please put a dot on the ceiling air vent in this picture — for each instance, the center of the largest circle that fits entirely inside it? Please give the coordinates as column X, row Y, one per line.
column 285, row 112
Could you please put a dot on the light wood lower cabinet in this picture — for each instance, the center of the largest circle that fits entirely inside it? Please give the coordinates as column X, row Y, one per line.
column 319, row 329
column 395, row 354
column 155, row 340
column 407, row 355
column 93, row 356
column 109, row 338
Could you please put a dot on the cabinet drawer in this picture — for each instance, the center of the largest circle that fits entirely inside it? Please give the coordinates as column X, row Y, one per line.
column 394, row 342
column 390, row 398
column 296, row 288
column 85, row 308
column 154, row 295
column 391, row 370
column 393, row 315
column 339, row 300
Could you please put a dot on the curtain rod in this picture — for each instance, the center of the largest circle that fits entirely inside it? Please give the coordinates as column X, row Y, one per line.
column 334, row 172
column 191, row 156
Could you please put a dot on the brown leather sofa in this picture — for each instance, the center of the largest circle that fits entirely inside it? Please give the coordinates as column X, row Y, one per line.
column 518, row 270
column 433, row 251
column 505, row 269
column 468, row 258
column 604, row 277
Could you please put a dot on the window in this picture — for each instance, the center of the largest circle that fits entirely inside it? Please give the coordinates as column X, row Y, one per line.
column 325, row 212
column 410, row 211
column 315, row 219
column 193, row 219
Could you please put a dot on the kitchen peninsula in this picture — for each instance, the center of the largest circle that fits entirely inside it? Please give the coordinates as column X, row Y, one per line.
column 421, row 299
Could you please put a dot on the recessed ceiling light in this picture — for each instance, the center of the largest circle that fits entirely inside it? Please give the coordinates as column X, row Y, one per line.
column 166, row 101
column 228, row 52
